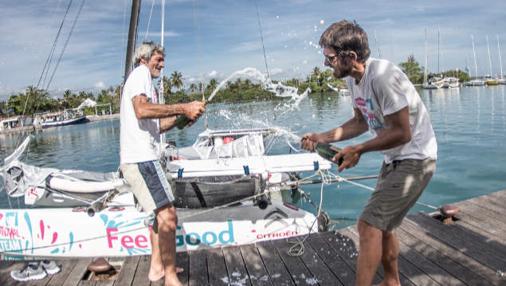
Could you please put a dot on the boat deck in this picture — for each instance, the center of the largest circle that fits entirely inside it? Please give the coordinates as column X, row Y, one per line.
column 471, row 251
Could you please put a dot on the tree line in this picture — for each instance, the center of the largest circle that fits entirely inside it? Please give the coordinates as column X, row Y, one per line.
column 34, row 100
column 175, row 91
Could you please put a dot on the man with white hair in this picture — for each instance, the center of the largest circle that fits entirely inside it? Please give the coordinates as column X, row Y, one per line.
column 142, row 120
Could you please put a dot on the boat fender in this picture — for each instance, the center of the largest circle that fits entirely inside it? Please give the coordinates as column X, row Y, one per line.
column 246, row 170
column 316, row 165
column 180, row 173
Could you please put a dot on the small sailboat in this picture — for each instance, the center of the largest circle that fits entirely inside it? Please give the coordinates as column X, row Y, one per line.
column 489, row 80
column 501, row 79
column 476, row 81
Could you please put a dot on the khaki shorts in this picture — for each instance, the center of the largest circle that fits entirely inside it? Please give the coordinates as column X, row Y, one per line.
column 149, row 184
column 399, row 186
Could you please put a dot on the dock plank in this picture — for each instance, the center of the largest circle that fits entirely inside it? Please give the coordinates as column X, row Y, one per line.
column 470, row 252
column 464, row 240
column 481, row 217
column 274, row 265
column 198, row 268
column 336, row 264
column 486, row 273
column 237, row 274
column 314, row 263
column 440, row 258
column 254, row 265
column 66, row 268
column 127, row 271
column 217, row 269
column 142, row 271
column 77, row 272
column 298, row 271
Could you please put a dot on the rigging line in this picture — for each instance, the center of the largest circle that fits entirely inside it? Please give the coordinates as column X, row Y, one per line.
column 45, row 69
column 262, row 39
column 149, row 20
column 51, row 53
column 66, row 43
column 54, row 45
column 196, row 24
column 373, row 189
column 298, row 248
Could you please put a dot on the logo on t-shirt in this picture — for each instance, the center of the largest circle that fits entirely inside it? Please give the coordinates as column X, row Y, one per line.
column 367, row 109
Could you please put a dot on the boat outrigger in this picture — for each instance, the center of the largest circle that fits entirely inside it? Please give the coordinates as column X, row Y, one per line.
column 73, row 213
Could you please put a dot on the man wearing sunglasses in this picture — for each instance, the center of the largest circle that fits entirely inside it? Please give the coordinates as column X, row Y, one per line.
column 386, row 103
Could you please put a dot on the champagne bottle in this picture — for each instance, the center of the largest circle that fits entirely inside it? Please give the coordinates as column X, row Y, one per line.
column 328, row 151
column 182, row 121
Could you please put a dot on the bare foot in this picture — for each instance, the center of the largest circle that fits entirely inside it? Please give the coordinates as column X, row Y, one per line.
column 384, row 283
column 172, row 281
column 154, row 276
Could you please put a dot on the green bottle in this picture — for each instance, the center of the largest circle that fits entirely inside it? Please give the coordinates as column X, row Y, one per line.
column 328, row 151
column 182, row 121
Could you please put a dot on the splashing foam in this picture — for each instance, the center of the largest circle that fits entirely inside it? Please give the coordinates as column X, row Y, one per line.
column 278, row 89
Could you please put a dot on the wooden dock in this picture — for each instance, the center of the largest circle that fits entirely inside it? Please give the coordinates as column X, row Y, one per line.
column 471, row 251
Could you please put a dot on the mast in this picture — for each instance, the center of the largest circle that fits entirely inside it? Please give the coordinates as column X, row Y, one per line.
column 161, row 98
column 474, row 55
column 426, row 60
column 438, row 38
column 500, row 58
column 132, row 35
column 489, row 58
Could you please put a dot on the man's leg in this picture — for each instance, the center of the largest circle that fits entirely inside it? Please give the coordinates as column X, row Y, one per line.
column 369, row 255
column 156, row 270
column 167, row 222
column 389, row 259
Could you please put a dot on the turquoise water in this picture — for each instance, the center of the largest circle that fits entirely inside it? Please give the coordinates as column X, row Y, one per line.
column 470, row 125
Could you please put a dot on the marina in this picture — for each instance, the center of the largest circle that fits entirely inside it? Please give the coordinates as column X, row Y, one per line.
column 254, row 206
column 469, row 251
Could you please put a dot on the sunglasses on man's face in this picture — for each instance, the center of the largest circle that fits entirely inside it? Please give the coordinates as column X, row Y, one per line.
column 329, row 59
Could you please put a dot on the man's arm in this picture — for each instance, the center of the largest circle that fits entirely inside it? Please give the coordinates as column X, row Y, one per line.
column 167, row 123
column 396, row 132
column 144, row 109
column 350, row 129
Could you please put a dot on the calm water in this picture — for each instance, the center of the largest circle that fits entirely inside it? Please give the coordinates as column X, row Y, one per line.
column 470, row 126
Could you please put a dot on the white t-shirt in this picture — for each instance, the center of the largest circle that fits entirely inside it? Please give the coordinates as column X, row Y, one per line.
column 139, row 138
column 384, row 89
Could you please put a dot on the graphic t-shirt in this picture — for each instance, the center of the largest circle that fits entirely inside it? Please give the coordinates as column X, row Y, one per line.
column 383, row 90
column 139, row 138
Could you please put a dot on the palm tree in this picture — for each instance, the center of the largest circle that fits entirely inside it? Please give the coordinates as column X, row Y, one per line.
column 193, row 87
column 176, row 79
column 167, row 86
column 211, row 86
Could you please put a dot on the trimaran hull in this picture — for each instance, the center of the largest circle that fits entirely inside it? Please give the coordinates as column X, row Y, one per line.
column 123, row 232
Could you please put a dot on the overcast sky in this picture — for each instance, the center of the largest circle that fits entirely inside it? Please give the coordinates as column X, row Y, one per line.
column 206, row 39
